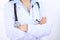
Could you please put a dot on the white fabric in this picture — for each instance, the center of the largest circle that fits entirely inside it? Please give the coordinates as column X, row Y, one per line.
column 35, row 31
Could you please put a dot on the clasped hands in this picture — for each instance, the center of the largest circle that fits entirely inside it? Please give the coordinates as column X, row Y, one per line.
column 24, row 27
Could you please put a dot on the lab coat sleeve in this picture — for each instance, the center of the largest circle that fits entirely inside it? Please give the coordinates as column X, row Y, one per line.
column 11, row 31
column 39, row 30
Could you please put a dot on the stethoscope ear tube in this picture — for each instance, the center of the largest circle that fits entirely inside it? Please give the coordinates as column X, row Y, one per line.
column 15, row 12
column 16, row 19
column 37, row 4
column 38, row 9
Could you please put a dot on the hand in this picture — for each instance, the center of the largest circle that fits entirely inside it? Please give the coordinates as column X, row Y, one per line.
column 43, row 21
column 23, row 27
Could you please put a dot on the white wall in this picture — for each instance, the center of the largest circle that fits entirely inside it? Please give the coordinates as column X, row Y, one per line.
column 53, row 13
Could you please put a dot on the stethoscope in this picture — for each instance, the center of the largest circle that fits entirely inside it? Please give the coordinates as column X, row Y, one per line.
column 15, row 13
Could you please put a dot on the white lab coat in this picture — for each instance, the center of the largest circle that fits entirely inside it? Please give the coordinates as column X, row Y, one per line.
column 35, row 31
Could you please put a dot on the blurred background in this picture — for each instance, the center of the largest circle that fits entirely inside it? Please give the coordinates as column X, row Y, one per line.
column 53, row 15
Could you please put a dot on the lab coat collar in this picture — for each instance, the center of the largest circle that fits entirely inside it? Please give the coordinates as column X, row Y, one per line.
column 32, row 1
column 19, row 2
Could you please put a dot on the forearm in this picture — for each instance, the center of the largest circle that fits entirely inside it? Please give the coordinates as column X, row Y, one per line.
column 23, row 27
